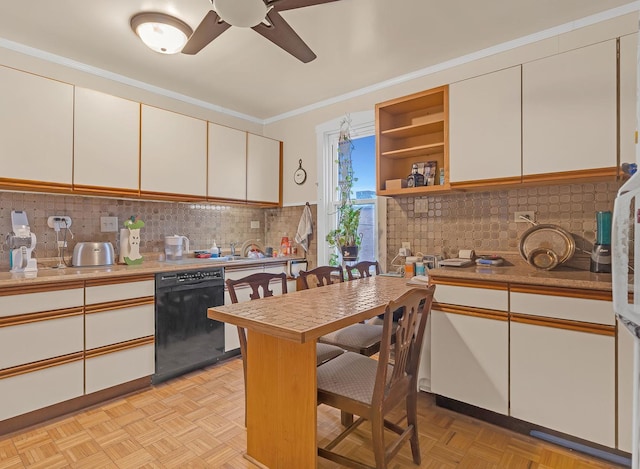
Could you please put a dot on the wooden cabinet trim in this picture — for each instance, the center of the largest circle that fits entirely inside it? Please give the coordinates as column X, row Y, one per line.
column 24, row 289
column 41, row 365
column 561, row 291
column 469, row 283
column 106, row 191
column 98, row 282
column 475, row 312
column 484, row 183
column 577, row 326
column 583, row 175
column 172, row 197
column 96, row 352
column 121, row 304
column 19, row 319
column 34, row 186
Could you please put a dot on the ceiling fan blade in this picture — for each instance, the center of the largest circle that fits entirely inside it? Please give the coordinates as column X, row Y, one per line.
column 282, row 5
column 209, row 28
column 283, row 35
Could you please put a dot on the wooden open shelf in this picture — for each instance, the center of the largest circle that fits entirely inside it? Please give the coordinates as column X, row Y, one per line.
column 413, row 129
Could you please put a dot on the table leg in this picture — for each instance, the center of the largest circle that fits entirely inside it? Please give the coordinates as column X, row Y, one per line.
column 281, row 402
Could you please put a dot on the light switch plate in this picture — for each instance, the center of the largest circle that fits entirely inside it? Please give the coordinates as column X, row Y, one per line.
column 108, row 224
column 255, row 224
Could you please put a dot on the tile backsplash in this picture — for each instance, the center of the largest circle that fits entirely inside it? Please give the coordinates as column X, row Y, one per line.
column 439, row 224
column 201, row 223
column 484, row 221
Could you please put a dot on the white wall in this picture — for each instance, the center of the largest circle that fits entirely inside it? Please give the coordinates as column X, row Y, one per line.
column 299, row 132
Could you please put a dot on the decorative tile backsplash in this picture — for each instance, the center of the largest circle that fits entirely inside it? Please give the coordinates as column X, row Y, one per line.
column 484, row 221
column 439, row 224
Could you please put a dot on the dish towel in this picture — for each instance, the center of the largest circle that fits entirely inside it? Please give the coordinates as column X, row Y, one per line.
column 305, row 228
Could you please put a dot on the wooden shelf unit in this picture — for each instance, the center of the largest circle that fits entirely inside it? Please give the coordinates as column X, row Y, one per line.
column 412, row 129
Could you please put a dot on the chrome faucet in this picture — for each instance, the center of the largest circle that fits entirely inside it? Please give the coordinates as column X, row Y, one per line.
column 233, row 248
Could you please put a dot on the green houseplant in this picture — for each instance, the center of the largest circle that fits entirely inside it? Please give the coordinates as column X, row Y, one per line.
column 345, row 239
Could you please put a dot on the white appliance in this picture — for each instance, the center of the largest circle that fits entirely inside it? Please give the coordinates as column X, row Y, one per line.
column 21, row 242
column 626, row 221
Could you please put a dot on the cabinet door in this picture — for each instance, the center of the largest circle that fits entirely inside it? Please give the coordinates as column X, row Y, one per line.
column 470, row 359
column 227, row 163
column 36, row 128
column 173, row 153
column 564, row 380
column 569, row 111
column 106, row 141
column 628, row 99
column 625, row 388
column 485, row 127
column 263, row 169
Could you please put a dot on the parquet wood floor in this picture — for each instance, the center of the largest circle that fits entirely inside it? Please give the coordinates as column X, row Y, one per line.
column 196, row 421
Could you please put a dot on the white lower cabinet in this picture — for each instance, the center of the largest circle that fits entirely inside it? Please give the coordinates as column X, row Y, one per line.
column 470, row 359
column 625, row 387
column 41, row 347
column 564, row 380
column 470, row 344
column 119, row 331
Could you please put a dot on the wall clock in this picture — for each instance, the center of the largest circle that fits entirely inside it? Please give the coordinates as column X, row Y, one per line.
column 300, row 175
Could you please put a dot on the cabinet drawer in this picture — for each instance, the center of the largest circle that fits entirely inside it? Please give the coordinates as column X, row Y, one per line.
column 34, row 341
column 119, row 325
column 34, row 390
column 121, row 366
column 119, row 291
column 473, row 297
column 237, row 274
column 563, row 307
column 275, row 269
column 11, row 305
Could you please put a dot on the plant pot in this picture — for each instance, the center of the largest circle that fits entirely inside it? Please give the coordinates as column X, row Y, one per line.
column 349, row 253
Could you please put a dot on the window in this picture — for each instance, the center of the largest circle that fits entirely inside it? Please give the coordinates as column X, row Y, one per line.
column 373, row 214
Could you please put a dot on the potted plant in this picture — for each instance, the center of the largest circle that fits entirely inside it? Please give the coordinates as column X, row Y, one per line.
column 345, row 238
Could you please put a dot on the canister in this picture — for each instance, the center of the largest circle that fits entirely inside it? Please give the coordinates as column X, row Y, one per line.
column 410, row 266
column 419, row 268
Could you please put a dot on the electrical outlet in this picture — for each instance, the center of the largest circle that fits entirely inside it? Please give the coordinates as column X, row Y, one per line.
column 58, row 222
column 406, row 244
column 255, row 224
column 108, row 224
column 522, row 217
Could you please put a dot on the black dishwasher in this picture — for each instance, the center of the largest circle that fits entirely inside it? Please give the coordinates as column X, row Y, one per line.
column 186, row 339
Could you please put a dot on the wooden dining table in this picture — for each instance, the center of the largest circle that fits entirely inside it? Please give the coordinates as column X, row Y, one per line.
column 281, row 361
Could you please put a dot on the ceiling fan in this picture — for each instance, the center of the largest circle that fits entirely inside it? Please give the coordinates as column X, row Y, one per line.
column 263, row 16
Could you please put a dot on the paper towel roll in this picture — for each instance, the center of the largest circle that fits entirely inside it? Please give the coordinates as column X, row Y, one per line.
column 467, row 254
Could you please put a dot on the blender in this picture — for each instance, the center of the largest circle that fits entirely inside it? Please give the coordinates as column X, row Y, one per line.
column 21, row 242
column 601, row 254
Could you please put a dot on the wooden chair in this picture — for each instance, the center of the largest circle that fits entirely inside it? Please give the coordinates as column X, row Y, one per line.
column 363, row 268
column 321, row 276
column 372, row 388
column 260, row 282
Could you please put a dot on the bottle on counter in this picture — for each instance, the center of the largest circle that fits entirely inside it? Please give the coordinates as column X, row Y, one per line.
column 215, row 250
column 285, row 246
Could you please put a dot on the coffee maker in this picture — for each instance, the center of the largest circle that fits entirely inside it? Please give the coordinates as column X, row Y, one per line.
column 21, row 242
column 601, row 254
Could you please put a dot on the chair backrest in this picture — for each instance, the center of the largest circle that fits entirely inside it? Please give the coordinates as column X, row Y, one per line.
column 321, row 276
column 415, row 305
column 364, row 269
column 256, row 282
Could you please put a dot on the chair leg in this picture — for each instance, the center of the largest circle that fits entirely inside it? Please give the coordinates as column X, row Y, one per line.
column 377, row 433
column 346, row 418
column 412, row 421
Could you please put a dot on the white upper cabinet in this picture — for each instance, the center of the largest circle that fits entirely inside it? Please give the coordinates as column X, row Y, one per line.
column 628, row 119
column 173, row 153
column 569, row 111
column 485, row 127
column 36, row 128
column 106, row 141
column 227, row 163
column 263, row 169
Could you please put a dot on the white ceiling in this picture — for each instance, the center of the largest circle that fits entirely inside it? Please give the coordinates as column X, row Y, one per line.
column 359, row 43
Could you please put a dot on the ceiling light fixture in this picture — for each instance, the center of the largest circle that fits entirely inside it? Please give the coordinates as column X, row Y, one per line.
column 245, row 14
column 160, row 32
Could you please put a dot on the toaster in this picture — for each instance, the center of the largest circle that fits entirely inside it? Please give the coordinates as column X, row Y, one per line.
column 91, row 254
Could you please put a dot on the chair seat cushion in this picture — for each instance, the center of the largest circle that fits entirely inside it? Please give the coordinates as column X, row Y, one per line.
column 350, row 375
column 359, row 338
column 326, row 352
